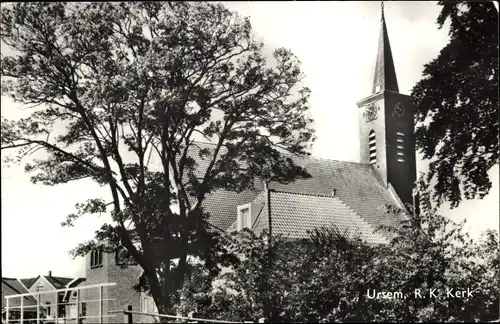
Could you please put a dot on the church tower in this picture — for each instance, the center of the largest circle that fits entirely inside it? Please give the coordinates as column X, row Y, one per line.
column 386, row 125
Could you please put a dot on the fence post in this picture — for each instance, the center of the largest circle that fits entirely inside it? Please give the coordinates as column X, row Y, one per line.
column 100, row 304
column 38, row 308
column 7, row 309
column 57, row 307
column 128, row 316
column 77, row 304
column 22, row 309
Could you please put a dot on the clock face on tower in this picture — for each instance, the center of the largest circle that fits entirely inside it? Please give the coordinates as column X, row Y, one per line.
column 371, row 112
column 399, row 110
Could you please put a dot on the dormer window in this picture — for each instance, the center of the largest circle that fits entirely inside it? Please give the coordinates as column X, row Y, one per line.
column 95, row 259
column 244, row 218
column 248, row 215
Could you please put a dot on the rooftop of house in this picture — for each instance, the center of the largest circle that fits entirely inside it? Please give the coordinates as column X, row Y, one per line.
column 58, row 282
column 13, row 286
column 28, row 282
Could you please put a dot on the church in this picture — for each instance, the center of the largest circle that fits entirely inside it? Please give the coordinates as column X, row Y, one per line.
column 350, row 196
column 353, row 197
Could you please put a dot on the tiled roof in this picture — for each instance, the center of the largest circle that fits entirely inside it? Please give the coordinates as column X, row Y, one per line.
column 58, row 282
column 356, row 184
column 222, row 206
column 12, row 286
column 29, row 281
column 77, row 282
column 294, row 214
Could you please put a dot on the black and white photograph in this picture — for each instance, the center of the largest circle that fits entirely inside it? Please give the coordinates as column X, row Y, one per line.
column 250, row 162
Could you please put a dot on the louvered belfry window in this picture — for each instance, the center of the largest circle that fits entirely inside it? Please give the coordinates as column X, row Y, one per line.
column 400, row 145
column 372, row 143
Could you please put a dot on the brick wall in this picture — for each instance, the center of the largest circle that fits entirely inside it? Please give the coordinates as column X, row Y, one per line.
column 377, row 125
column 123, row 293
column 401, row 175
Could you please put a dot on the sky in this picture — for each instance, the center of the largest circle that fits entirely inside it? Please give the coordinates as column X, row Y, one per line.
column 337, row 45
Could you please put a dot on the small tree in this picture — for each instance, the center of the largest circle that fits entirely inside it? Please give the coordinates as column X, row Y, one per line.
column 119, row 83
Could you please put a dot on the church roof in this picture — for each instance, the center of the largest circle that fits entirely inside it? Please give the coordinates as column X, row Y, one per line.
column 385, row 72
column 356, row 185
column 294, row 215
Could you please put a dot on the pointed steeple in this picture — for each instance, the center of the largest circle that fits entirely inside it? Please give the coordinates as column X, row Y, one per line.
column 385, row 73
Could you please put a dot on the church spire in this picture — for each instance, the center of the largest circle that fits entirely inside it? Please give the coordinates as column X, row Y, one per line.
column 385, row 73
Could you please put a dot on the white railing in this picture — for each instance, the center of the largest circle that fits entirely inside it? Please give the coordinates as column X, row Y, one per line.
column 189, row 319
column 56, row 318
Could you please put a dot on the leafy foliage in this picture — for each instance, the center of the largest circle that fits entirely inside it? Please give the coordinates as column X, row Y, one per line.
column 330, row 278
column 117, row 85
column 457, row 103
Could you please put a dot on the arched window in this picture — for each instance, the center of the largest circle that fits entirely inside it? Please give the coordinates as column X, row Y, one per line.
column 372, row 144
column 95, row 258
column 400, row 140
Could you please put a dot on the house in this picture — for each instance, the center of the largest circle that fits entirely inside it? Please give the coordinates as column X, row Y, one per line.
column 12, row 286
column 38, row 286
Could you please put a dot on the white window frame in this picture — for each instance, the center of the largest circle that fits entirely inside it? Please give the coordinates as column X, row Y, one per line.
column 38, row 288
column 239, row 220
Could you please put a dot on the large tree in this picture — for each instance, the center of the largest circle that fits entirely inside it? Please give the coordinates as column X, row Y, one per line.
column 115, row 84
column 457, row 103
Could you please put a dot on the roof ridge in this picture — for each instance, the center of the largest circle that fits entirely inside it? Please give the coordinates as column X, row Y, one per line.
column 363, row 219
column 308, row 156
column 303, row 193
column 311, row 157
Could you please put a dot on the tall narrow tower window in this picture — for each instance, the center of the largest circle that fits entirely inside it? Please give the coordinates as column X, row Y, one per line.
column 400, row 139
column 372, row 144
column 95, row 259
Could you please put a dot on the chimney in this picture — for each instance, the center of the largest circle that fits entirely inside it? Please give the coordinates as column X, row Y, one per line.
column 49, row 274
column 334, row 192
